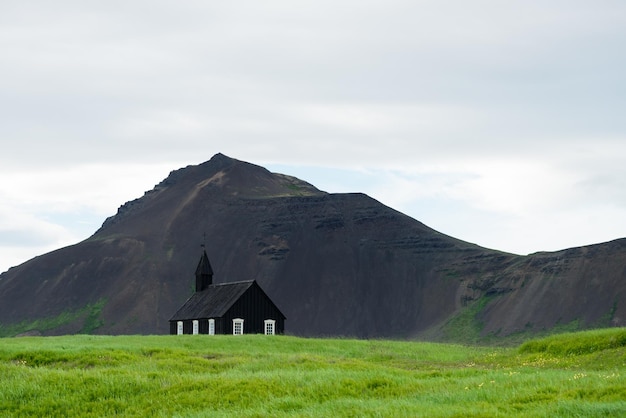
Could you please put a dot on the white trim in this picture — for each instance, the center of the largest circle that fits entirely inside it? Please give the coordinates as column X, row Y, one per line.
column 196, row 326
column 211, row 326
column 179, row 328
column 269, row 326
column 237, row 326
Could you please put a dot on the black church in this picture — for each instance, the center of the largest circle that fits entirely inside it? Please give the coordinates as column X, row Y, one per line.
column 234, row 308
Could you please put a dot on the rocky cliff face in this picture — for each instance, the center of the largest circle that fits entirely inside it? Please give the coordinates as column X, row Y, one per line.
column 335, row 264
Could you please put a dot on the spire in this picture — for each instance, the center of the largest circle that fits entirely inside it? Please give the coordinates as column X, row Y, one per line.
column 204, row 272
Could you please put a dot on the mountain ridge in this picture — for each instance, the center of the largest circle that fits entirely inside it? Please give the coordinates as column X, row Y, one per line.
column 336, row 264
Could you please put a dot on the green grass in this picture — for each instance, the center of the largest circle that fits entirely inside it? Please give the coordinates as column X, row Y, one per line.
column 578, row 374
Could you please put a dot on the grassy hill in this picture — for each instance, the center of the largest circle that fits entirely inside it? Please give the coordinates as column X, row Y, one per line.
column 578, row 374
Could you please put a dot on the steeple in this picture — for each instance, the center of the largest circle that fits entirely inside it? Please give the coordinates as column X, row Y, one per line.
column 204, row 272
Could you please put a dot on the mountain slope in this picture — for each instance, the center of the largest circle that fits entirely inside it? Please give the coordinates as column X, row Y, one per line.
column 335, row 264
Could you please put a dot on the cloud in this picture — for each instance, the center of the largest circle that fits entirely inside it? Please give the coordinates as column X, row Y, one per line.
column 507, row 111
column 109, row 78
column 43, row 210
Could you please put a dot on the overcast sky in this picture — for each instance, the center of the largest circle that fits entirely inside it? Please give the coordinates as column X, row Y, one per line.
column 497, row 122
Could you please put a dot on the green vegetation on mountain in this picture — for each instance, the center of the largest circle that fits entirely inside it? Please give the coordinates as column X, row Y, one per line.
column 89, row 316
column 578, row 374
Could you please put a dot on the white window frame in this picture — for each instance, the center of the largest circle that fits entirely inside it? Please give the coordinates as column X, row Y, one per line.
column 269, row 326
column 196, row 327
column 211, row 326
column 179, row 328
column 237, row 326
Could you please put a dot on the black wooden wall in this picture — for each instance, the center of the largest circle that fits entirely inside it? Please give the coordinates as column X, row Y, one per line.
column 254, row 306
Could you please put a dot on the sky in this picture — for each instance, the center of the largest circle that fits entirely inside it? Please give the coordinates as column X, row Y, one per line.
column 499, row 123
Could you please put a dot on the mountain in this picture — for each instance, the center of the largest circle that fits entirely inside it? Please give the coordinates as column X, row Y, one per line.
column 335, row 264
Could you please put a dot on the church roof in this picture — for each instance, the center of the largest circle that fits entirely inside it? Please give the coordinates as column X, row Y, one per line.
column 213, row 302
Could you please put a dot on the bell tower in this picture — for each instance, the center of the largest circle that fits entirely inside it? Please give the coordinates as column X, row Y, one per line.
column 204, row 272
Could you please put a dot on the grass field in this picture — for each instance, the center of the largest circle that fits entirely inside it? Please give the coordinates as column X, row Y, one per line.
column 580, row 374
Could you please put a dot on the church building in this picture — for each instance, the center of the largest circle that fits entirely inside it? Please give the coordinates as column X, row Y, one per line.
column 234, row 308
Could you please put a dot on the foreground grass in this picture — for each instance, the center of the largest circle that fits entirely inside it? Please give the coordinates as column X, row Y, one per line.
column 582, row 374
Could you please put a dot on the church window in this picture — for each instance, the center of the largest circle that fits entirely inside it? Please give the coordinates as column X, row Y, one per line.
column 270, row 325
column 237, row 326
